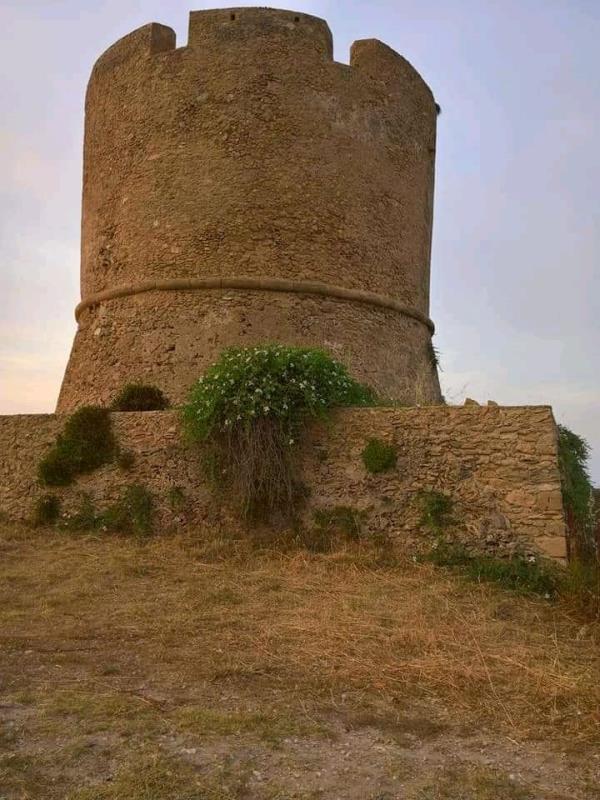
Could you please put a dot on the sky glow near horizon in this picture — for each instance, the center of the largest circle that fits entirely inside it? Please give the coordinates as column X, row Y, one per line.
column 515, row 274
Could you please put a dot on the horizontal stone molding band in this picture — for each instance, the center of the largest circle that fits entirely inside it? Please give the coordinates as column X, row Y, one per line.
column 256, row 284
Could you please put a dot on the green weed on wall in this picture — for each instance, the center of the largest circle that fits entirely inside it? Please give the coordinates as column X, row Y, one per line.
column 86, row 443
column 379, row 456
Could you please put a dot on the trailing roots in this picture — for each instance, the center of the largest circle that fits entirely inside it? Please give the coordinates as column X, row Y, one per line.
column 254, row 462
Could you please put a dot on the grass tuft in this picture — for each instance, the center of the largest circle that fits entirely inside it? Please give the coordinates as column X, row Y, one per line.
column 580, row 587
column 86, row 443
column 267, row 725
column 132, row 513
column 436, row 510
column 343, row 520
column 84, row 518
column 433, row 355
column 520, row 574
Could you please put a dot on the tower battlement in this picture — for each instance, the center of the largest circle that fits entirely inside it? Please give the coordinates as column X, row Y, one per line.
column 267, row 30
column 246, row 187
column 266, row 25
column 222, row 28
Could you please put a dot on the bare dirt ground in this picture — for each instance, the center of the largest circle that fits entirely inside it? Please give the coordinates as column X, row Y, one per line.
column 185, row 668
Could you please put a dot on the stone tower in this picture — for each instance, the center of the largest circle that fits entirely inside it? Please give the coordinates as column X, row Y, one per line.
column 247, row 188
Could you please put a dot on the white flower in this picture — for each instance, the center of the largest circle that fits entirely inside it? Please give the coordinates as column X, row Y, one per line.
column 265, row 408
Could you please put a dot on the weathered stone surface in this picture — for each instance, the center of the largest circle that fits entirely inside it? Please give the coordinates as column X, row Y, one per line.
column 250, row 153
column 503, row 498
column 170, row 338
column 553, row 546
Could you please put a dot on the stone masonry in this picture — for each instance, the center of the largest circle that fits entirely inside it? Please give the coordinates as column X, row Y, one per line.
column 248, row 188
column 499, row 465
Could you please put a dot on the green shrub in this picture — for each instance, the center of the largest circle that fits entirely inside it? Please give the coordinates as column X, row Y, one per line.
column 379, row 456
column 249, row 408
column 518, row 573
column 436, row 510
column 86, row 443
column 578, row 494
column 140, row 397
column 46, row 510
column 332, row 525
column 132, row 513
column 84, row 518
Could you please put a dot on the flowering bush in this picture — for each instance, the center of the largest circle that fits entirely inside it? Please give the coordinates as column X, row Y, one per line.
column 282, row 383
column 250, row 406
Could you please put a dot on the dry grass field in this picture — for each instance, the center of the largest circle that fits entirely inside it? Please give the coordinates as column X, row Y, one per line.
column 192, row 668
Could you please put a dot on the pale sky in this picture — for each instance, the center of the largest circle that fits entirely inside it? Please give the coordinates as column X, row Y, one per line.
column 515, row 268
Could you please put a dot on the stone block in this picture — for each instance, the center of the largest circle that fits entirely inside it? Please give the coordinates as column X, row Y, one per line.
column 552, row 546
column 549, row 501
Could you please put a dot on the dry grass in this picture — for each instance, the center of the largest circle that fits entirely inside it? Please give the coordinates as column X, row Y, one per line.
column 324, row 624
column 480, row 784
column 177, row 637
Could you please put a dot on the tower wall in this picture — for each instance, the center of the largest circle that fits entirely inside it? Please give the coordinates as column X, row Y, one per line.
column 247, row 188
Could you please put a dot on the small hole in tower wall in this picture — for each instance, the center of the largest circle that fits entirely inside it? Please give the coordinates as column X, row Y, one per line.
column 232, row 17
column 296, row 19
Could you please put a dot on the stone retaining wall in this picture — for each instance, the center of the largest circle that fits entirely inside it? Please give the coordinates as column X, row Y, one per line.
column 498, row 464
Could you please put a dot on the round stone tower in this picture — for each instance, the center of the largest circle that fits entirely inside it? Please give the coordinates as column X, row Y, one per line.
column 246, row 188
